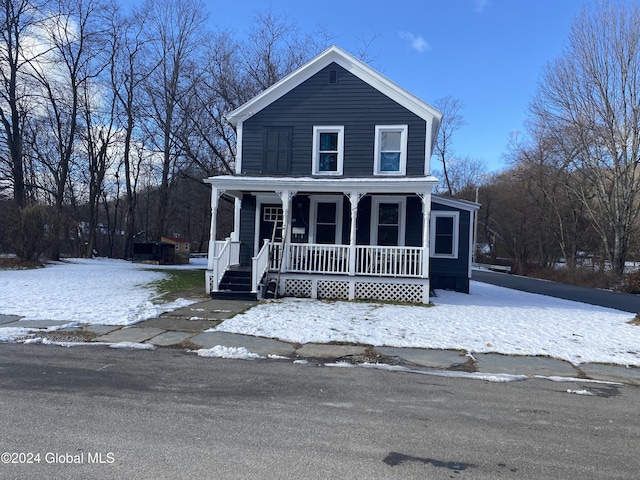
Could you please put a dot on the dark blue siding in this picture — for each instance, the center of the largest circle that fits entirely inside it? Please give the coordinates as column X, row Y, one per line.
column 349, row 102
column 413, row 236
column 451, row 273
column 247, row 228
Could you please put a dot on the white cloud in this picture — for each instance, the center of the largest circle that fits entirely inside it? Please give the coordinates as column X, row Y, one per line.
column 480, row 4
column 417, row 42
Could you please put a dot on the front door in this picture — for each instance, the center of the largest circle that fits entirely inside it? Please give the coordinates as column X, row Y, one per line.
column 270, row 222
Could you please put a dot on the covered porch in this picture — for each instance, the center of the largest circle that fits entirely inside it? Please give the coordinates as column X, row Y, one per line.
column 345, row 248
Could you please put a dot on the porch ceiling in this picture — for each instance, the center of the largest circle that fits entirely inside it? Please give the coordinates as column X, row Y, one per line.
column 236, row 185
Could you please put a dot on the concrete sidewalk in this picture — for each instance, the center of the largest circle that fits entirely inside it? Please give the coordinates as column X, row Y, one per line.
column 186, row 328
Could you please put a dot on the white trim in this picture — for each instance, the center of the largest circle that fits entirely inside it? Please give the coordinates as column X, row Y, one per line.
column 472, row 219
column 428, row 148
column 456, row 233
column 239, row 147
column 313, row 215
column 380, row 129
column 236, row 185
column 315, row 161
column 375, row 212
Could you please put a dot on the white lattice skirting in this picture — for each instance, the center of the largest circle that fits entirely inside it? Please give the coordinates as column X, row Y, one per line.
column 298, row 288
column 394, row 292
column 360, row 290
column 333, row 290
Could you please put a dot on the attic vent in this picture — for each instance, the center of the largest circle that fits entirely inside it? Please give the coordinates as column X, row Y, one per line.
column 333, row 76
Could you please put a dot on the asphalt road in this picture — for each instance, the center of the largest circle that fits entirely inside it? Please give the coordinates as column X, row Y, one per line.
column 604, row 298
column 100, row 413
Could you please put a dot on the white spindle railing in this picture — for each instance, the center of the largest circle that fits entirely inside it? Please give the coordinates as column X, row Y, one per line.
column 219, row 244
column 316, row 258
column 259, row 265
column 220, row 264
column 334, row 259
column 276, row 254
column 389, row 261
column 234, row 253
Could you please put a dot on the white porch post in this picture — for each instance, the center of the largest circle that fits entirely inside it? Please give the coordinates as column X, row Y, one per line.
column 236, row 220
column 354, row 199
column 285, row 196
column 426, row 213
column 215, row 195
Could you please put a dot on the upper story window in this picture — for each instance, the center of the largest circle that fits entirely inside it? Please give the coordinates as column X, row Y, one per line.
column 444, row 234
column 390, row 150
column 328, row 150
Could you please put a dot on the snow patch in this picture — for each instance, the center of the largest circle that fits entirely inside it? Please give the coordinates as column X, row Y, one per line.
column 580, row 392
column 134, row 345
column 220, row 351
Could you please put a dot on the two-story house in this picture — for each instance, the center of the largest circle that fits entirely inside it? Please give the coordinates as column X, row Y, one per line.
column 333, row 192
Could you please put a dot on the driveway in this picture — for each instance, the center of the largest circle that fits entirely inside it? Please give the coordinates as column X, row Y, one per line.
column 625, row 302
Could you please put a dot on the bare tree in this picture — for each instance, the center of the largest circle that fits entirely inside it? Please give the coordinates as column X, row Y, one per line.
column 233, row 72
column 19, row 21
column 175, row 34
column 127, row 81
column 275, row 47
column 590, row 95
column 74, row 31
column 549, row 165
column 452, row 121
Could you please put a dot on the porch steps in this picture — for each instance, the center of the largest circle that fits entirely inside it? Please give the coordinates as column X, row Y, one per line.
column 235, row 285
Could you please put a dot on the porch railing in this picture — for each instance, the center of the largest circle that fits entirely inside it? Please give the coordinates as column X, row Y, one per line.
column 219, row 245
column 316, row 258
column 259, row 265
column 220, row 263
column 334, row 259
column 226, row 253
column 389, row 261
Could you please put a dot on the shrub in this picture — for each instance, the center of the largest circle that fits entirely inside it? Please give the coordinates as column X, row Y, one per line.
column 630, row 283
column 23, row 231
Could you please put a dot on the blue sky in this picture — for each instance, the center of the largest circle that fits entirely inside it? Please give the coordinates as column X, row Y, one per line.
column 488, row 54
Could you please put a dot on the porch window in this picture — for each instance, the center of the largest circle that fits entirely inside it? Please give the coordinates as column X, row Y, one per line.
column 388, row 221
column 444, row 234
column 328, row 146
column 390, row 150
column 326, row 220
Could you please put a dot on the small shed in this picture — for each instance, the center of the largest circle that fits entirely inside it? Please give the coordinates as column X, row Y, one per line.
column 182, row 248
column 158, row 253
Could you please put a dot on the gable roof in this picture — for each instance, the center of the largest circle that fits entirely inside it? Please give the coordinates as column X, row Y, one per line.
column 354, row 66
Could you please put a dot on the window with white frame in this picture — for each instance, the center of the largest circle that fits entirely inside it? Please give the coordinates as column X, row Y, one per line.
column 388, row 221
column 444, row 234
column 326, row 219
column 390, row 150
column 328, row 150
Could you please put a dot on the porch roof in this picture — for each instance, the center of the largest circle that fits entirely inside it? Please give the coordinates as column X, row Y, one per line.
column 236, row 185
column 456, row 203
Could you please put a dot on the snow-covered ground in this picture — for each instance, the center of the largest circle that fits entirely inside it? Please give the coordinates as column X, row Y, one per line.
column 490, row 319
column 96, row 291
